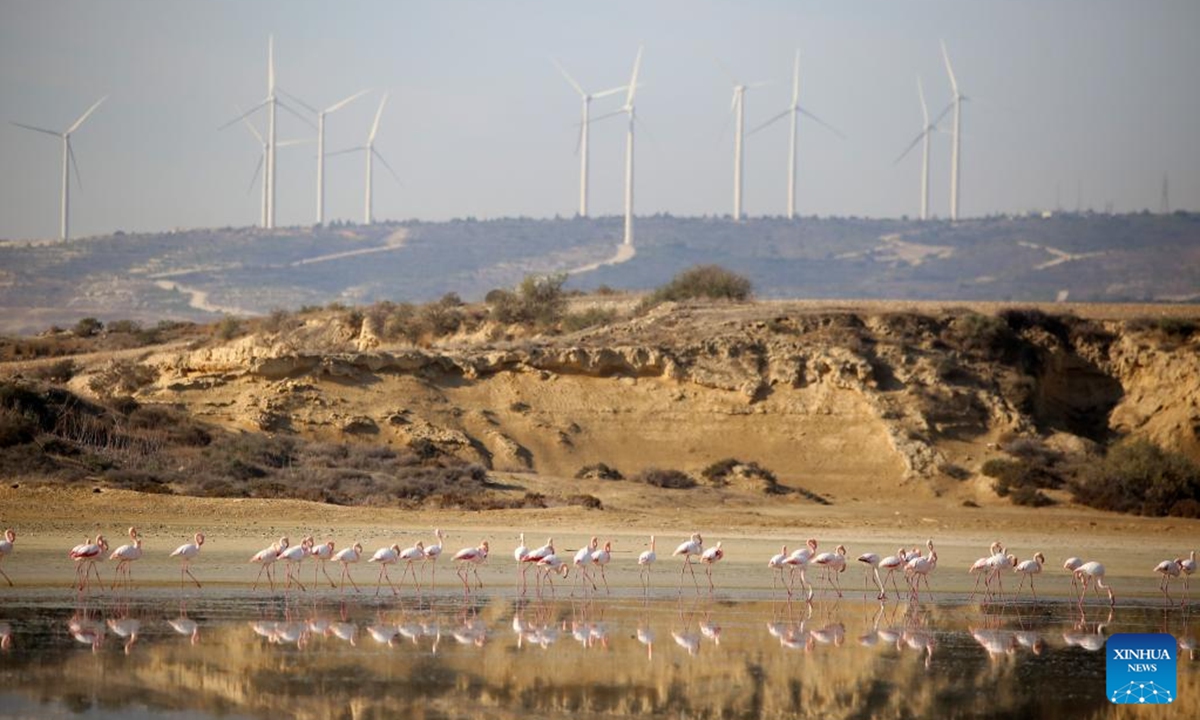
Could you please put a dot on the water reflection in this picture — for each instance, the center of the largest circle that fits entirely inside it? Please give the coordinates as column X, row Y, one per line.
column 553, row 658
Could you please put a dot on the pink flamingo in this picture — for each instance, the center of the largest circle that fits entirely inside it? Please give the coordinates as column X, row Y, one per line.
column 292, row 557
column 125, row 555
column 1071, row 565
column 981, row 569
column 645, row 561
column 583, row 558
column 266, row 559
column 710, row 557
column 776, row 566
column 474, row 557
column 1187, row 567
column 85, row 556
column 1088, row 572
column 432, row 553
column 918, row 569
column 600, row 558
column 891, row 563
column 385, row 556
column 551, row 564
column 798, row 562
column 410, row 555
column 347, row 557
column 186, row 554
column 1169, row 569
column 1028, row 569
column 6, row 548
column 833, row 564
column 687, row 549
column 321, row 554
column 871, row 560
column 519, row 554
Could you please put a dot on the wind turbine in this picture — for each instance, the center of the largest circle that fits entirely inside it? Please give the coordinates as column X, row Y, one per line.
column 955, row 159
column 628, row 108
column 583, row 132
column 270, row 103
column 68, row 159
column 929, row 129
column 262, row 160
column 372, row 153
column 321, row 143
column 794, row 110
column 738, row 107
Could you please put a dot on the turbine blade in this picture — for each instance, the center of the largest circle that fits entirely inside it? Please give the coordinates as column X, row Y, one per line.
column 921, row 95
column 579, row 139
column 386, row 165
column 84, row 116
column 250, row 126
column 910, row 147
column 821, row 122
column 254, row 177
column 299, row 102
column 567, row 75
column 293, row 111
column 246, row 114
column 346, row 151
column 605, row 116
column 293, row 143
column 637, row 65
column 74, row 164
column 270, row 64
column 734, row 99
column 343, row 103
column 949, row 69
column 796, row 80
column 38, row 129
column 941, row 115
column 763, row 126
column 378, row 115
column 610, row 91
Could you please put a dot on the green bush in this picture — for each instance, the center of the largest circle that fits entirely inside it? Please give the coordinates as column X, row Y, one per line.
column 1137, row 476
column 592, row 317
column 87, row 327
column 703, row 281
column 227, row 328
column 539, row 300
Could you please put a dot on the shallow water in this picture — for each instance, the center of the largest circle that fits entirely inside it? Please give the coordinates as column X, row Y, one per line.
column 235, row 654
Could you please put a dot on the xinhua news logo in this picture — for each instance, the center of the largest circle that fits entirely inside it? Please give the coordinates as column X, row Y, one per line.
column 1140, row 668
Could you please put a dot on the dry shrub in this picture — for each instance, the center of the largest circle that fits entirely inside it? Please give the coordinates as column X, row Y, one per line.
column 599, row 471
column 670, row 479
column 1137, row 476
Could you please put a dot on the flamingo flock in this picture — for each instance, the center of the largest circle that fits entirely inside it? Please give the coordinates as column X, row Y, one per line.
column 789, row 571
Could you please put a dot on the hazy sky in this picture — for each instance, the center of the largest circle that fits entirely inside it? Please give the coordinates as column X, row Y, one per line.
column 1093, row 97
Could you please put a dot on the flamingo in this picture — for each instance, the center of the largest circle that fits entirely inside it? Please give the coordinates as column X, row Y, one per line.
column 919, row 568
column 346, row 557
column 551, row 564
column 999, row 561
column 1169, row 569
column 126, row 554
column 6, row 548
column 432, row 553
column 1028, row 569
column 891, row 563
column 583, row 558
column 385, row 556
column 519, row 554
column 266, row 558
column 776, row 565
column 321, row 554
column 798, row 561
column 600, row 558
column 645, row 561
column 687, row 549
column 472, row 556
column 1187, row 566
column 1093, row 571
column 1071, row 565
column 710, row 557
column 871, row 560
column 832, row 563
column 186, row 554
column 980, row 569
column 127, row 628
column 292, row 557
column 85, row 556
column 410, row 555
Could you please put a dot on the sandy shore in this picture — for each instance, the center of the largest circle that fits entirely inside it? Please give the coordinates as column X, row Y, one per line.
column 48, row 521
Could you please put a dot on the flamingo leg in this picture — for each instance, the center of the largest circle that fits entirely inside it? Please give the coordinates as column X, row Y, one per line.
column 185, row 569
column 6, row 577
column 605, row 578
column 1032, row 589
column 711, row 587
column 326, row 572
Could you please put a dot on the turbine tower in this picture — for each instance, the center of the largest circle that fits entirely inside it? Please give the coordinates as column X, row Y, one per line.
column 795, row 111
column 68, row 159
column 956, row 156
column 738, row 107
column 372, row 153
column 262, row 159
column 923, row 136
column 583, row 132
column 628, row 108
column 321, row 150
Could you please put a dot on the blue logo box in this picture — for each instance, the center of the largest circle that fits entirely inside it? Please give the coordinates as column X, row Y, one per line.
column 1140, row 668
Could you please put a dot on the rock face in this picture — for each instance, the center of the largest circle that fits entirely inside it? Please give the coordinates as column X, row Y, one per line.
column 834, row 395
